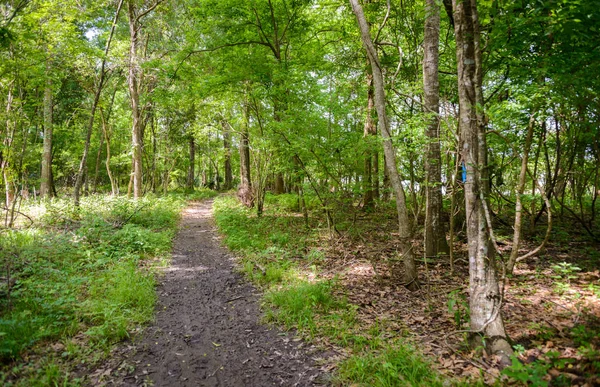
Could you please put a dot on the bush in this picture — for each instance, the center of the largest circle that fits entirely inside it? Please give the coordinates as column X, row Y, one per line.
column 82, row 266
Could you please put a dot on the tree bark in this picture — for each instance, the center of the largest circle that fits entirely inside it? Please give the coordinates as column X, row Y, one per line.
column 97, row 165
column 435, row 235
column 485, row 300
column 227, row 148
column 114, row 186
column 154, row 173
column 514, row 253
column 369, row 130
column 279, row 184
column 245, row 188
column 7, row 142
column 375, row 166
column 411, row 280
column 46, row 176
column 191, row 169
column 98, row 92
column 133, row 81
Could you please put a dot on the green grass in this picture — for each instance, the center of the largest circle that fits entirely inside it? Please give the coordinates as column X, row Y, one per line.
column 198, row 194
column 246, row 233
column 396, row 365
column 275, row 249
column 80, row 270
column 306, row 306
column 121, row 297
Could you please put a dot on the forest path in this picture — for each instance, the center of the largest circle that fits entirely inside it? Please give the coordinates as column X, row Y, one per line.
column 207, row 330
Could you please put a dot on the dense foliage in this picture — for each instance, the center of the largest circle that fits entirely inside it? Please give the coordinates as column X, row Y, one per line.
column 81, row 277
column 294, row 103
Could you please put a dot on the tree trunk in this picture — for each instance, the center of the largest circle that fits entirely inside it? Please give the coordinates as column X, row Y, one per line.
column 369, row 130
column 114, row 186
column 405, row 244
column 46, row 177
column 86, row 147
column 5, row 153
column 485, row 300
column 279, row 184
column 514, row 253
column 133, row 81
column 98, row 92
column 245, row 188
column 375, row 173
column 386, row 182
column 533, row 184
column 191, row 171
column 227, row 149
column 435, row 235
column 97, row 165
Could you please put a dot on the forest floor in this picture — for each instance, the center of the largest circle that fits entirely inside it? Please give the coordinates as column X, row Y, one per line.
column 207, row 330
column 551, row 312
column 551, row 304
column 84, row 284
column 551, row 308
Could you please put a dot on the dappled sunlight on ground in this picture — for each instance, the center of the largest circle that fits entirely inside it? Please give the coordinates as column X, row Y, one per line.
column 540, row 311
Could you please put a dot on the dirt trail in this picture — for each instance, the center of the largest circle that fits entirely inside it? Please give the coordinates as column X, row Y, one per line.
column 207, row 330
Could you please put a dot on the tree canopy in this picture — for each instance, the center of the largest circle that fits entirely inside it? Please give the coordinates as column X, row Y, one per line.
column 450, row 111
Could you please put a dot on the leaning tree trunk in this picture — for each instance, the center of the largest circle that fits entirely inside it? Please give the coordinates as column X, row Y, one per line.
column 97, row 165
column 46, row 178
column 485, row 297
column 406, row 250
column 5, row 153
column 114, row 185
column 90, row 128
column 514, row 253
column 435, row 235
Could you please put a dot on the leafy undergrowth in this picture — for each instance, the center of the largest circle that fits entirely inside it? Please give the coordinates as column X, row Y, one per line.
column 79, row 281
column 280, row 254
column 197, row 195
column 339, row 291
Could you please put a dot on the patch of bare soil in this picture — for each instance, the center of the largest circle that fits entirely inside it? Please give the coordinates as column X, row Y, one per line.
column 207, row 330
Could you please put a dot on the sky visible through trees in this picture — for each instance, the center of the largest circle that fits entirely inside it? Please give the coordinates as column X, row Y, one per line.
column 469, row 130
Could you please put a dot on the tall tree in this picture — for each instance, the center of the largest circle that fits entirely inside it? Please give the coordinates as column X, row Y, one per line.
column 411, row 280
column 435, row 236
column 136, row 13
column 47, row 183
column 371, row 159
column 227, row 156
column 485, row 297
column 5, row 152
column 245, row 188
column 133, row 82
column 97, row 92
column 192, row 167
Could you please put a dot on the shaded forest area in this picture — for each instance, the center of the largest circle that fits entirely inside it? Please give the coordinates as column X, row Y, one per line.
column 407, row 174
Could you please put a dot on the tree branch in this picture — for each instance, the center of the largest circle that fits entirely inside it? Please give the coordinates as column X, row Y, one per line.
column 385, row 19
column 264, row 35
column 18, row 8
column 146, row 12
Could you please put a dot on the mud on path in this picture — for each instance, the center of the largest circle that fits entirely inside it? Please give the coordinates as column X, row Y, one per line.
column 207, row 330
